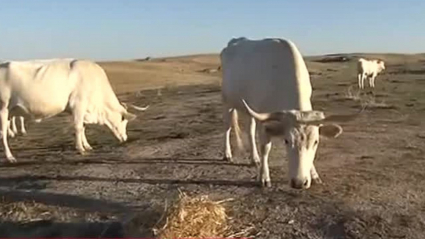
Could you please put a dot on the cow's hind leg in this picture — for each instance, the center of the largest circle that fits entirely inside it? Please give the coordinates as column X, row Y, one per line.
column 371, row 81
column 13, row 126
column 254, row 153
column 86, row 144
column 4, row 114
column 227, row 118
column 23, row 130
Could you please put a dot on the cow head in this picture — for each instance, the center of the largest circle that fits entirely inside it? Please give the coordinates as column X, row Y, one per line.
column 381, row 65
column 300, row 131
column 118, row 120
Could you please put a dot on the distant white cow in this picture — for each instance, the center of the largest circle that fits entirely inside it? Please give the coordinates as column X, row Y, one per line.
column 369, row 69
column 41, row 89
column 272, row 77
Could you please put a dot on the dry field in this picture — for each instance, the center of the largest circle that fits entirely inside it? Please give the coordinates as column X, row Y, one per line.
column 374, row 173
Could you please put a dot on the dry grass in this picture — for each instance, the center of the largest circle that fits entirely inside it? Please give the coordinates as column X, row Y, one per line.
column 368, row 101
column 194, row 217
column 28, row 211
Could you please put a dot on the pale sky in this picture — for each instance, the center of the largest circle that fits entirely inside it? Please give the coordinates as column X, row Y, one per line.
column 129, row 29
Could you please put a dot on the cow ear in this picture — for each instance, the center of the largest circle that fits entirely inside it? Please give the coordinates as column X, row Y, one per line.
column 330, row 130
column 274, row 128
column 129, row 116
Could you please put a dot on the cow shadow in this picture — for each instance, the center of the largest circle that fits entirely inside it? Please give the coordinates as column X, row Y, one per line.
column 144, row 216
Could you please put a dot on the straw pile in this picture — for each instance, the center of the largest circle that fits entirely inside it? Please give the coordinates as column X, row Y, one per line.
column 195, row 217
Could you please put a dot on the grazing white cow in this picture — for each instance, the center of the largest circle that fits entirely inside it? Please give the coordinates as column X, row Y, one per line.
column 271, row 76
column 40, row 89
column 368, row 69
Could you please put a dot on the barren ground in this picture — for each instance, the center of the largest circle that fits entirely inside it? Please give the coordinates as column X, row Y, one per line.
column 374, row 173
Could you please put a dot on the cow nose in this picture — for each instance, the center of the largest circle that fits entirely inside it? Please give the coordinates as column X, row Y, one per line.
column 299, row 183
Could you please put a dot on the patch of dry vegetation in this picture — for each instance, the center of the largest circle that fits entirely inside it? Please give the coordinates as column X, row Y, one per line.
column 196, row 217
column 366, row 101
column 28, row 211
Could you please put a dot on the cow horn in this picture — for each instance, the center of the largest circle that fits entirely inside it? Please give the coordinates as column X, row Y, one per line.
column 258, row 116
column 344, row 118
column 139, row 108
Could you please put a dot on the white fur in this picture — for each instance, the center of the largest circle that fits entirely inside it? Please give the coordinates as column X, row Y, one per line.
column 271, row 76
column 368, row 69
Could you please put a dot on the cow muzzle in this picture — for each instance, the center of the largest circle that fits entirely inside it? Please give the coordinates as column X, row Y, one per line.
column 300, row 183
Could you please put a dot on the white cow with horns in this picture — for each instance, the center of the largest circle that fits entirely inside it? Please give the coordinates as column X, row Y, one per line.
column 368, row 69
column 39, row 89
column 270, row 76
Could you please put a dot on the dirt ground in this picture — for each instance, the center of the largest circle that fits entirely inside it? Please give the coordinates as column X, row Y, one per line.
column 374, row 173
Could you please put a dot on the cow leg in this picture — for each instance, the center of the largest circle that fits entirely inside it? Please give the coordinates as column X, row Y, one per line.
column 85, row 142
column 23, row 130
column 373, row 80
column 370, row 81
column 265, row 146
column 14, row 128
column 315, row 176
column 9, row 128
column 4, row 114
column 227, row 118
column 254, row 153
column 360, row 79
column 79, row 130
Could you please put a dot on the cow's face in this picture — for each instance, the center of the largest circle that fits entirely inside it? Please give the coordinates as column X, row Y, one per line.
column 381, row 65
column 301, row 141
column 300, row 131
column 118, row 121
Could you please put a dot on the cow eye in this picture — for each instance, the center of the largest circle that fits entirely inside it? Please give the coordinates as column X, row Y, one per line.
column 122, row 118
column 316, row 142
column 286, row 141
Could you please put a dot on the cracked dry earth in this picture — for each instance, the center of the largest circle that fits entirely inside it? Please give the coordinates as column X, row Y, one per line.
column 373, row 174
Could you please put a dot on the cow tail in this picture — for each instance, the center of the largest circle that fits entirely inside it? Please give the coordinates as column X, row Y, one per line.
column 235, row 125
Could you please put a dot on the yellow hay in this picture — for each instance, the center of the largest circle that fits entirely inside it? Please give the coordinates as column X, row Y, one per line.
column 194, row 217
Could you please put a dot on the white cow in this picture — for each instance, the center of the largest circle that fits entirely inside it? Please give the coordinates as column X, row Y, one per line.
column 40, row 89
column 368, row 69
column 271, row 75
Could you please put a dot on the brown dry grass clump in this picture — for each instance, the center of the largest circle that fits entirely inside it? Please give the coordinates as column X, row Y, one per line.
column 195, row 217
column 29, row 211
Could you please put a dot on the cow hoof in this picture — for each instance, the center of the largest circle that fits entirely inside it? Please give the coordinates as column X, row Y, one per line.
column 11, row 159
column 266, row 183
column 82, row 152
column 255, row 163
column 317, row 181
column 228, row 159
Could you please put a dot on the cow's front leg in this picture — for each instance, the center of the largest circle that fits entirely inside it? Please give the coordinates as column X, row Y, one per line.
column 79, row 131
column 373, row 80
column 4, row 114
column 265, row 146
column 315, row 176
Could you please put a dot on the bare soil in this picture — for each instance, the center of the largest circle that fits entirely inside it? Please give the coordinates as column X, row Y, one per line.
column 374, row 173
